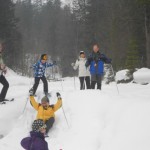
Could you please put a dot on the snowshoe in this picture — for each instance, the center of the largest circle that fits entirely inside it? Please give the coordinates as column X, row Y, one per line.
column 7, row 100
column 2, row 102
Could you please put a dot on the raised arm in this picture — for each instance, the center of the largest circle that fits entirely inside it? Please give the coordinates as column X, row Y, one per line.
column 76, row 65
column 105, row 59
column 59, row 102
column 34, row 103
column 49, row 65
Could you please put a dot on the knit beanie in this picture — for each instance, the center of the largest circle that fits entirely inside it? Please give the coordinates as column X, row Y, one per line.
column 45, row 99
column 82, row 52
column 37, row 125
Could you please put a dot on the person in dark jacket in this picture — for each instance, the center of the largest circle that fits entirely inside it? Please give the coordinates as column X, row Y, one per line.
column 3, row 81
column 36, row 141
column 96, row 62
column 39, row 71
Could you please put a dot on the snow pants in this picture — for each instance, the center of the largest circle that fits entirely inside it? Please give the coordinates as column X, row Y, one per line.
column 96, row 79
column 36, row 84
column 49, row 123
column 82, row 82
column 4, row 90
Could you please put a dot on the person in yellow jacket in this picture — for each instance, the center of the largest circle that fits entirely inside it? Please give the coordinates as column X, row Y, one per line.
column 45, row 111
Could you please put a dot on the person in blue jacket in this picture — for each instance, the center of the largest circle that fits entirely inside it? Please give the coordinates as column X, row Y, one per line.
column 96, row 62
column 39, row 72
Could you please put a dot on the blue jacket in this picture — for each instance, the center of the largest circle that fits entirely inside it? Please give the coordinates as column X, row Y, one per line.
column 39, row 68
column 35, row 142
column 96, row 62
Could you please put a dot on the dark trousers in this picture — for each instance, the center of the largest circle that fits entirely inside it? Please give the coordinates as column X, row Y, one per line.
column 5, row 84
column 82, row 83
column 49, row 123
column 36, row 84
column 96, row 79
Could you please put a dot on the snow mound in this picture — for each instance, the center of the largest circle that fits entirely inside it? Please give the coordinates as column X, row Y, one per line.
column 142, row 76
column 122, row 75
column 10, row 72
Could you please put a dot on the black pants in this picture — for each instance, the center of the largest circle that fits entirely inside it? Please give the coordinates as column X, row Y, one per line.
column 5, row 84
column 82, row 84
column 96, row 79
column 49, row 123
column 36, row 84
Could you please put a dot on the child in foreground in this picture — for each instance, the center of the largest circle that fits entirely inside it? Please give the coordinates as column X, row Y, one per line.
column 36, row 141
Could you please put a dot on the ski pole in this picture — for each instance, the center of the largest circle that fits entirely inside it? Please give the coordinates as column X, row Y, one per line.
column 74, row 83
column 27, row 98
column 84, row 84
column 25, row 106
column 65, row 116
column 62, row 85
column 114, row 78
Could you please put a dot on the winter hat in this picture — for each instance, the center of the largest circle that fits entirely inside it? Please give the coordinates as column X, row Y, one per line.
column 44, row 57
column 82, row 52
column 37, row 125
column 45, row 99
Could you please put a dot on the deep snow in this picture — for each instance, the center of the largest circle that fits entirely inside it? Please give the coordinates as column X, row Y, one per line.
column 142, row 76
column 98, row 120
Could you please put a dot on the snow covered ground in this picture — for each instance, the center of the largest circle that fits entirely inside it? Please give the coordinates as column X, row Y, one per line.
column 98, row 120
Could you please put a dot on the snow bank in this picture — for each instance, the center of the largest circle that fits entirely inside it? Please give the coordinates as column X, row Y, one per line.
column 122, row 75
column 98, row 120
column 142, row 76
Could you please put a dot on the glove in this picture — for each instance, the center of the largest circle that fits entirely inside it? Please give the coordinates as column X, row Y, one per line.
column 58, row 95
column 31, row 92
column 73, row 64
column 5, row 71
column 2, row 67
column 54, row 63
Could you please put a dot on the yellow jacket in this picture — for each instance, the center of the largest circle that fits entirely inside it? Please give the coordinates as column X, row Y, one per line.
column 45, row 114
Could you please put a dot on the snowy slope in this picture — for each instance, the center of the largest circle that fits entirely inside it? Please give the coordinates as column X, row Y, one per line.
column 98, row 120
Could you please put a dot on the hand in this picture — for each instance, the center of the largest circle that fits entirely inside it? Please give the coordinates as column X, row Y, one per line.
column 5, row 71
column 31, row 93
column 2, row 67
column 95, row 65
column 54, row 63
column 58, row 95
column 73, row 64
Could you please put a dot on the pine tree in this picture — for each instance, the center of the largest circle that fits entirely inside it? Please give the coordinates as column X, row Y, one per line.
column 9, row 33
column 133, row 59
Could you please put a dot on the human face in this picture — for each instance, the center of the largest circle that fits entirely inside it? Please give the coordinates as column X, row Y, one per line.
column 95, row 48
column 82, row 55
column 45, row 104
column 43, row 129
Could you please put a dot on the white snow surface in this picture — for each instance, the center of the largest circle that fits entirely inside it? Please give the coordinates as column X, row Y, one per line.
column 98, row 120
column 142, row 76
column 122, row 75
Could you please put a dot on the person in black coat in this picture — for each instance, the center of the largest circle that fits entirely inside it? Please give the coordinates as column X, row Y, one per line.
column 96, row 62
